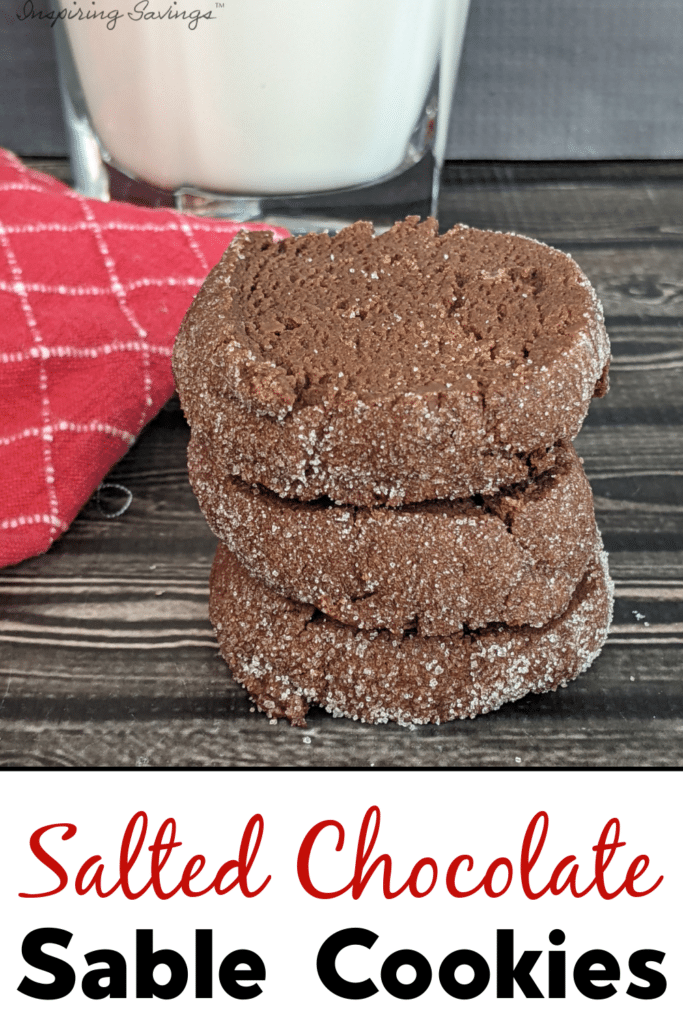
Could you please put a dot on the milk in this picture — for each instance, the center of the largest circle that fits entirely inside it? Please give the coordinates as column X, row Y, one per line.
column 266, row 97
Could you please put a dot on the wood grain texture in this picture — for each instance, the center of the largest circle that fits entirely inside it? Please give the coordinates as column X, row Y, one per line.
column 106, row 654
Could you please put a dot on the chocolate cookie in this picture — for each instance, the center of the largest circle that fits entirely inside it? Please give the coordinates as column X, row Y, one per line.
column 289, row 655
column 389, row 370
column 514, row 557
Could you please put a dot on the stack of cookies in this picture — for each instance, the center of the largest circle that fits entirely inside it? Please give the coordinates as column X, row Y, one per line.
column 381, row 441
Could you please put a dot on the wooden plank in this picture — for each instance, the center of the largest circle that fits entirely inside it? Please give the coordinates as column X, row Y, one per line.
column 229, row 743
column 568, row 213
column 106, row 654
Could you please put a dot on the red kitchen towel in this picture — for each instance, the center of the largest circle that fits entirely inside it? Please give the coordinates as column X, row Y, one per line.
column 91, row 297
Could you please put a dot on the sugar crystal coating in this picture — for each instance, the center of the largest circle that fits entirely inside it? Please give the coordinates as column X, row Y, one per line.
column 414, row 377
column 514, row 557
column 289, row 655
column 381, row 434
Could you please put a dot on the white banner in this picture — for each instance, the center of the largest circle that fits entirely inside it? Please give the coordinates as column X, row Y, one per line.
column 342, row 896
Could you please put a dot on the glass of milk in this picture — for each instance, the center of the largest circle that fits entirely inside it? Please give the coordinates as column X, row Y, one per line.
column 307, row 113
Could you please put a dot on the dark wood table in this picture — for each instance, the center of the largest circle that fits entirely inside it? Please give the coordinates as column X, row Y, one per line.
column 107, row 657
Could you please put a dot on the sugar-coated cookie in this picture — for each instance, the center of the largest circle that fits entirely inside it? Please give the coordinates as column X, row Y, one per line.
column 289, row 655
column 393, row 369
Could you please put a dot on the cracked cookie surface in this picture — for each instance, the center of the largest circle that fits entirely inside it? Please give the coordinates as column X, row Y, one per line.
column 515, row 557
column 289, row 655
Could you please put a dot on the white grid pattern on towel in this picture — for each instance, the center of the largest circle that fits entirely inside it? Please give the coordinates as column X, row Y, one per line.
column 102, row 224
column 63, row 289
column 46, row 433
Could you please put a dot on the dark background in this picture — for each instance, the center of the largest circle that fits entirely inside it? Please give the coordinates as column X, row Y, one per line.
column 539, row 80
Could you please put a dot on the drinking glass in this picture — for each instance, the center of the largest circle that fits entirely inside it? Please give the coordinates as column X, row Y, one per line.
column 305, row 113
